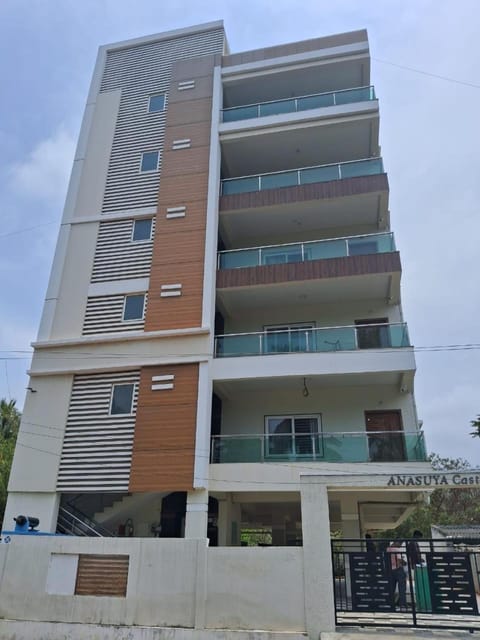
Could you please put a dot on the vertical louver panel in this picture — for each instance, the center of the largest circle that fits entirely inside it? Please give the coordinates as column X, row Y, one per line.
column 97, row 446
column 140, row 72
column 117, row 257
column 104, row 314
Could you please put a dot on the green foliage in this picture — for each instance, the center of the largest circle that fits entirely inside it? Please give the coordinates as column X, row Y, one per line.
column 447, row 506
column 9, row 425
column 476, row 428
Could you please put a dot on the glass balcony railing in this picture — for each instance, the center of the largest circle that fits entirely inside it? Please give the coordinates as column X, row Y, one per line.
column 313, row 340
column 302, row 103
column 303, row 175
column 304, row 251
column 378, row 446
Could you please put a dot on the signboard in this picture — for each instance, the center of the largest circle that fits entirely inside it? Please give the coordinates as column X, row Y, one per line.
column 434, row 480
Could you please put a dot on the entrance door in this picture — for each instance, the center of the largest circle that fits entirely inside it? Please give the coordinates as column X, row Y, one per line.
column 373, row 333
column 385, row 437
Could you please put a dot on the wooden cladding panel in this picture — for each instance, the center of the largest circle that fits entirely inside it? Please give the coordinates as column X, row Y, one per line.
column 185, row 161
column 179, row 247
column 305, row 192
column 102, row 575
column 203, row 89
column 182, row 189
column 310, row 270
column 191, row 111
column 165, row 428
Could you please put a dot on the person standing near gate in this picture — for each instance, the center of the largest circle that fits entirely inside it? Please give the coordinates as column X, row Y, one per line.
column 399, row 579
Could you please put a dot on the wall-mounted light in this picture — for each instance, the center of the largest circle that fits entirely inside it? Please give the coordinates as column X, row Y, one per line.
column 31, row 389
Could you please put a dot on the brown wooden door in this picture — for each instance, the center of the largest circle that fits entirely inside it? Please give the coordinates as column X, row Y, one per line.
column 385, row 440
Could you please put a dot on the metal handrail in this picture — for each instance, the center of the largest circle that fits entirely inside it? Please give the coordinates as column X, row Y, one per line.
column 322, row 434
column 312, row 329
column 95, row 528
column 314, row 166
column 291, row 244
column 308, row 95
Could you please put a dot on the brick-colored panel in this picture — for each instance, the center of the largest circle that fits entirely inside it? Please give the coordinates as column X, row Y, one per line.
column 306, row 192
column 190, row 112
column 198, row 132
column 102, row 575
column 203, row 89
column 165, row 427
column 309, row 270
column 183, row 162
column 179, row 189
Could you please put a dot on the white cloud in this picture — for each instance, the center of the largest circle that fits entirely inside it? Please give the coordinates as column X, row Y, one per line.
column 44, row 173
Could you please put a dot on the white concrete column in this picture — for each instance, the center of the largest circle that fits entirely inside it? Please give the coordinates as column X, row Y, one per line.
column 350, row 517
column 43, row 506
column 317, row 559
column 196, row 518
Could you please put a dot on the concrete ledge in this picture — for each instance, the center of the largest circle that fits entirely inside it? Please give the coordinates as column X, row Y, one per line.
column 33, row 630
column 379, row 633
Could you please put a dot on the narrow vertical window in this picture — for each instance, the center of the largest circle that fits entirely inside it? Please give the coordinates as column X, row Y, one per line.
column 133, row 308
column 156, row 103
column 142, row 230
column 149, row 161
column 122, row 399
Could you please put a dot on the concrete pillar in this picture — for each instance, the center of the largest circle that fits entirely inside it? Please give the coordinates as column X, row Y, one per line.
column 350, row 517
column 196, row 518
column 317, row 559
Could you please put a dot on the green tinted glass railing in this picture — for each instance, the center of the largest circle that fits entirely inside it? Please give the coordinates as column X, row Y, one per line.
column 387, row 446
column 304, row 251
column 303, row 175
column 292, row 105
column 317, row 340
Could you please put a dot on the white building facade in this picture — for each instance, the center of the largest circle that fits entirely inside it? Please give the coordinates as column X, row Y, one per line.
column 222, row 349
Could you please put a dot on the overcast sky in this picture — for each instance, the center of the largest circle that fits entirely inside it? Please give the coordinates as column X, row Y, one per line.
column 430, row 144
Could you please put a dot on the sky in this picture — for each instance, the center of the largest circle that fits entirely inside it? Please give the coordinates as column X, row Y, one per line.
column 429, row 136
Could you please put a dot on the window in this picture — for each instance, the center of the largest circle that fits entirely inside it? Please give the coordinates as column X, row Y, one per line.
column 142, row 230
column 133, row 307
column 122, row 398
column 149, row 161
column 293, row 436
column 156, row 103
column 290, row 338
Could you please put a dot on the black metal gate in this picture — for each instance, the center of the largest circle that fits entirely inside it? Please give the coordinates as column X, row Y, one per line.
column 438, row 587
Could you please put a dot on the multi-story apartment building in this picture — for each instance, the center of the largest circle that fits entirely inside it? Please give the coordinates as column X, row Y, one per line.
column 222, row 352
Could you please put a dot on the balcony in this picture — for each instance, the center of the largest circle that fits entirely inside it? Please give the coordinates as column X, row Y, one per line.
column 306, row 251
column 313, row 340
column 349, row 446
column 302, row 176
column 298, row 104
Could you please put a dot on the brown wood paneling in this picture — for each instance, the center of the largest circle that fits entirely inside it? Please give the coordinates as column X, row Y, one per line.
column 198, row 132
column 183, row 162
column 313, row 44
column 191, row 111
column 165, row 428
column 179, row 245
column 102, row 575
column 181, row 189
column 306, row 192
column 310, row 270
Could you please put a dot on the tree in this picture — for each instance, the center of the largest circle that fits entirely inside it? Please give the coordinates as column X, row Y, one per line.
column 476, row 426
column 9, row 425
column 446, row 506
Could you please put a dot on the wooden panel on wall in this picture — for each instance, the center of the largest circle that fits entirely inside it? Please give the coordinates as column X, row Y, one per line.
column 165, row 428
column 179, row 246
column 309, row 270
column 102, row 575
column 306, row 192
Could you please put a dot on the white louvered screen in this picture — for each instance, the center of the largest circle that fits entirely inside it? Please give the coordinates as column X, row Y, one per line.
column 140, row 72
column 97, row 448
column 104, row 314
column 117, row 257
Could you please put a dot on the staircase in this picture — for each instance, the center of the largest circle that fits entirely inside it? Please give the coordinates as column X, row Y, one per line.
column 75, row 523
